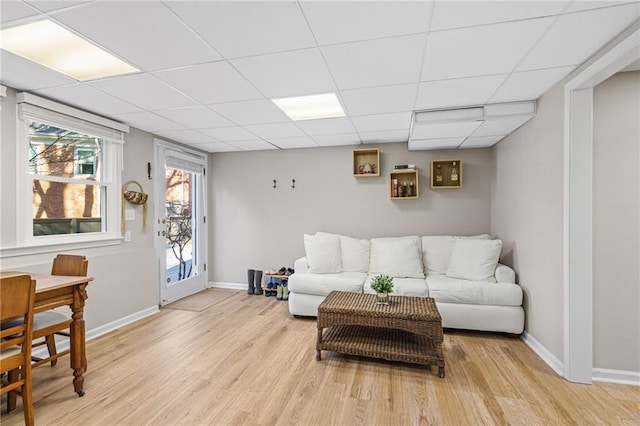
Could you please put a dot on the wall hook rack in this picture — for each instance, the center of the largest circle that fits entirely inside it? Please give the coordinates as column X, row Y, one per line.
column 274, row 183
column 293, row 183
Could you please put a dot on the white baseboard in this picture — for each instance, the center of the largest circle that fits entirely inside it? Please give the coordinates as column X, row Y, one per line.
column 232, row 286
column 542, row 352
column 63, row 344
column 616, row 376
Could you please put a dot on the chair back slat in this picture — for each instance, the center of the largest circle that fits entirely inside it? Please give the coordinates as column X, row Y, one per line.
column 17, row 294
column 71, row 265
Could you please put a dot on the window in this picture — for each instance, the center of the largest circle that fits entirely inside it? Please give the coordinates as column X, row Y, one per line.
column 70, row 170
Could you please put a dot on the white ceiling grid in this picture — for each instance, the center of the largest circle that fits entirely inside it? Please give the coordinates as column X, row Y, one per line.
column 209, row 69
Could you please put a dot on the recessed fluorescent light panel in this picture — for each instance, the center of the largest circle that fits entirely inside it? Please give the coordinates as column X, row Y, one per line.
column 472, row 127
column 55, row 47
column 311, row 107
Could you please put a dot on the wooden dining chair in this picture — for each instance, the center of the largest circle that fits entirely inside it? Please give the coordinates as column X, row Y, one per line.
column 17, row 294
column 49, row 323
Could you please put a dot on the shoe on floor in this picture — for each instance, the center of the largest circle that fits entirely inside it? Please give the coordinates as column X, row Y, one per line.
column 279, row 292
column 285, row 292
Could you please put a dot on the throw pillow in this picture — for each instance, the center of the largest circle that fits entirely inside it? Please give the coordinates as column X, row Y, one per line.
column 436, row 251
column 475, row 260
column 398, row 257
column 355, row 254
column 323, row 253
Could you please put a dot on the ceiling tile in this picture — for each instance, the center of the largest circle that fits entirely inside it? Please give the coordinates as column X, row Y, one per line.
column 573, row 39
column 444, row 130
column 489, row 49
column 298, row 142
column 458, row 92
column 51, row 5
column 195, row 117
column 446, row 143
column 333, row 22
column 216, row 147
column 253, row 145
column 15, row 10
column 382, row 122
column 388, row 136
column 334, row 140
column 143, row 90
column 275, row 130
column 580, row 5
column 326, row 126
column 80, row 96
column 302, row 72
column 148, row 121
column 456, row 14
column 189, row 137
column 229, row 134
column 529, row 84
column 211, row 83
column 161, row 39
column 13, row 70
column 481, row 142
column 251, row 112
column 379, row 100
column 502, row 126
column 385, row 61
column 247, row 28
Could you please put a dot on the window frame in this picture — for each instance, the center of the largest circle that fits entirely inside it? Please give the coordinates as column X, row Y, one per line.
column 34, row 108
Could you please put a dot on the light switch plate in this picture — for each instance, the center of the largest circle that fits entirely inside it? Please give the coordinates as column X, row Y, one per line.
column 129, row 214
column 127, row 236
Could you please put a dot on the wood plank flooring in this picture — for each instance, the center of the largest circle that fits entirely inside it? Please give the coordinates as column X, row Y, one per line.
column 247, row 361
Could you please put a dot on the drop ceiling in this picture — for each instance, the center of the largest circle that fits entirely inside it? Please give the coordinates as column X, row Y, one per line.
column 209, row 69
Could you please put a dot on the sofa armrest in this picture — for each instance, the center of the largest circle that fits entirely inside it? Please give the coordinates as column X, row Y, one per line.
column 300, row 266
column 505, row 274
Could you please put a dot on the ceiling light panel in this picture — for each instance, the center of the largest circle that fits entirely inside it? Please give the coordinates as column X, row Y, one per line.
column 55, row 47
column 311, row 107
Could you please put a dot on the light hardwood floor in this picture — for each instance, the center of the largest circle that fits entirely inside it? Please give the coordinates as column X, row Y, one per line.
column 246, row 361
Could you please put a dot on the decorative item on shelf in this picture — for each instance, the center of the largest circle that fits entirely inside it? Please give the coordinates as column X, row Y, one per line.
column 454, row 172
column 439, row 173
column 367, row 168
column 404, row 166
column 382, row 285
column 411, row 191
column 137, row 198
column 395, row 187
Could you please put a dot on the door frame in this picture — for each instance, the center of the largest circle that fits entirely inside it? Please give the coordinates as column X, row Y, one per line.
column 159, row 213
column 578, row 199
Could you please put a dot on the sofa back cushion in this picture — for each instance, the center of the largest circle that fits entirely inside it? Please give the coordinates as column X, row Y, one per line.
column 324, row 255
column 355, row 252
column 437, row 249
column 474, row 260
column 398, row 257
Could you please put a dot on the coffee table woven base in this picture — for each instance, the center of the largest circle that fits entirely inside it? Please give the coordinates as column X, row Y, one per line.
column 408, row 330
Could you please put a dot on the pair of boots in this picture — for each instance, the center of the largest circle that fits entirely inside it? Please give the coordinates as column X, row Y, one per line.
column 283, row 292
column 254, row 278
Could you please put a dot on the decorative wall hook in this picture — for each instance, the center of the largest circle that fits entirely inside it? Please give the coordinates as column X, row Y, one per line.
column 293, row 183
column 149, row 170
column 274, row 183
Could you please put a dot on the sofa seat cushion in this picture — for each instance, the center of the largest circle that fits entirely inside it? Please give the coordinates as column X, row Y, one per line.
column 402, row 286
column 452, row 290
column 323, row 284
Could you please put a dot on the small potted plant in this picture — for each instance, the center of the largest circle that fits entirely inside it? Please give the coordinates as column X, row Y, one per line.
column 382, row 285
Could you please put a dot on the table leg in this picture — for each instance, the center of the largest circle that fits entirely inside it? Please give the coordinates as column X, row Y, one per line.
column 78, row 350
column 318, row 351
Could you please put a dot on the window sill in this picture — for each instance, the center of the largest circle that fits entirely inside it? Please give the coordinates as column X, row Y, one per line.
column 7, row 252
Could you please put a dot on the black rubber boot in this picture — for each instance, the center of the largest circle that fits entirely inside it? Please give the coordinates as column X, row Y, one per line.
column 250, row 277
column 258, row 283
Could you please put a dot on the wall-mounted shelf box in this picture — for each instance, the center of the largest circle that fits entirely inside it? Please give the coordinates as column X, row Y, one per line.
column 366, row 162
column 446, row 174
column 403, row 184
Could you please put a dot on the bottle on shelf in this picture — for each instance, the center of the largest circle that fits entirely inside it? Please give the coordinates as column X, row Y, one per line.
column 438, row 173
column 402, row 190
column 395, row 187
column 412, row 190
column 454, row 172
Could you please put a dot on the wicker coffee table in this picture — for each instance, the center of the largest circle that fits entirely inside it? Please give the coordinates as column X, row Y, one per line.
column 409, row 329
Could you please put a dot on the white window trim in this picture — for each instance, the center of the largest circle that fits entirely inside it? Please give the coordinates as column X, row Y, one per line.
column 31, row 107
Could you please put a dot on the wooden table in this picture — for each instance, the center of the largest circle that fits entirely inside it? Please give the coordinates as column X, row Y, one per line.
column 53, row 291
column 409, row 329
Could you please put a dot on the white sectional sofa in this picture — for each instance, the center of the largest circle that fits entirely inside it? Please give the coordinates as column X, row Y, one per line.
column 471, row 289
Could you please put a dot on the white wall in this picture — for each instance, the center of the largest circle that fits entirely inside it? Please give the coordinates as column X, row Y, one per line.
column 527, row 213
column 126, row 274
column 616, row 223
column 256, row 226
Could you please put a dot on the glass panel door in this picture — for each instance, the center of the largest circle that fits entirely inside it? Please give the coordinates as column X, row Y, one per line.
column 179, row 225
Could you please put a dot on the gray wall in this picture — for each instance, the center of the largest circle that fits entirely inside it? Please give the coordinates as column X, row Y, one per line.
column 126, row 274
column 616, row 223
column 527, row 213
column 257, row 226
